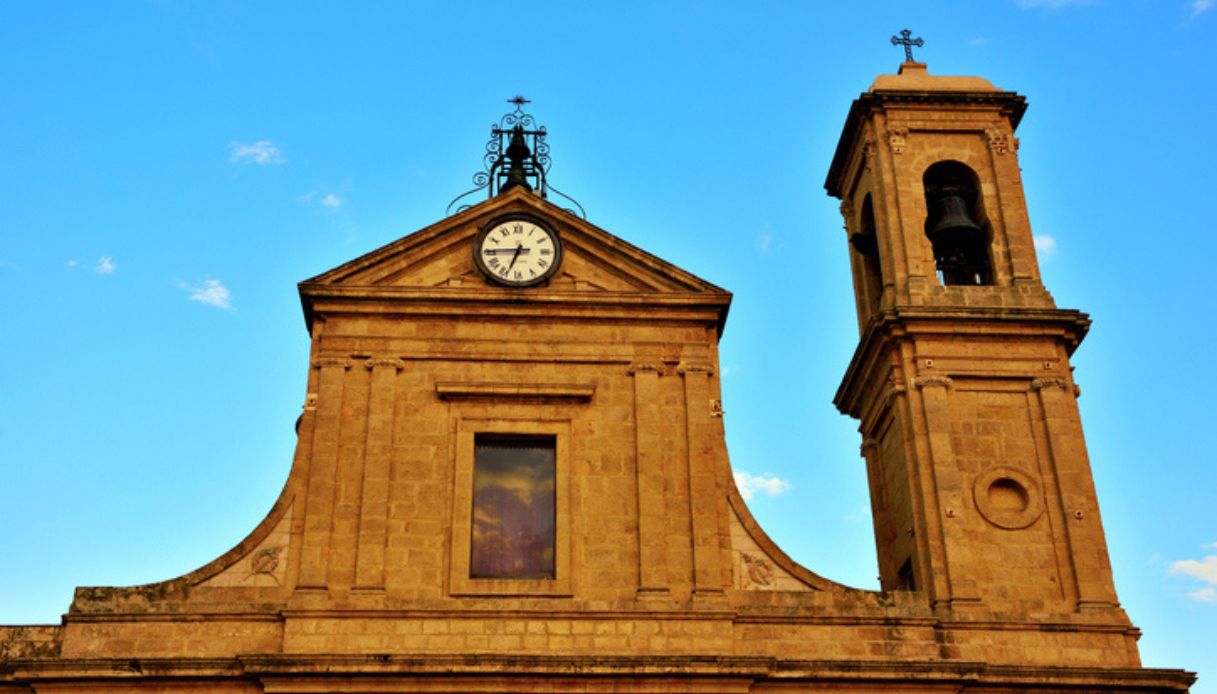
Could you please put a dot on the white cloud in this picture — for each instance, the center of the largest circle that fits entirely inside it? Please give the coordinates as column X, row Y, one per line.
column 331, row 201
column 1199, row 7
column 1052, row 4
column 1204, row 595
column 105, row 266
column 72, row 263
column 212, row 293
column 768, row 483
column 1203, row 570
column 978, row 41
column 1045, row 245
column 262, row 152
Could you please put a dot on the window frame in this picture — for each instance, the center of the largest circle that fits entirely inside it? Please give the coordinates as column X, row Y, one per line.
column 460, row 580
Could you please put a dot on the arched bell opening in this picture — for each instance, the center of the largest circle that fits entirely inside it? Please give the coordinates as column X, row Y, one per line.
column 865, row 243
column 956, row 226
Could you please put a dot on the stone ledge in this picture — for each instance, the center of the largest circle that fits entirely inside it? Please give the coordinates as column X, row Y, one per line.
column 398, row 670
column 548, row 391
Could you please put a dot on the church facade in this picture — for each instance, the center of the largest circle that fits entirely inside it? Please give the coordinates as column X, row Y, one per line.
column 511, row 473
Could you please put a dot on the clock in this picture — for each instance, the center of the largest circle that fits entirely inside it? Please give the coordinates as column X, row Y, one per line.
column 517, row 251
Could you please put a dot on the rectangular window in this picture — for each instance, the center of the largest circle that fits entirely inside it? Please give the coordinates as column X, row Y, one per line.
column 511, row 530
column 513, row 507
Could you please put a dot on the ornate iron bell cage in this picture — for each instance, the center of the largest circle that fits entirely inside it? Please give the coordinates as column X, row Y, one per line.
column 517, row 156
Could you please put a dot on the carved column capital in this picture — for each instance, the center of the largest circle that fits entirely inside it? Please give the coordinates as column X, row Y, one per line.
column 323, row 362
column 897, row 139
column 997, row 140
column 1050, row 382
column 847, row 211
column 686, row 367
column 389, row 363
column 646, row 366
column 932, row 380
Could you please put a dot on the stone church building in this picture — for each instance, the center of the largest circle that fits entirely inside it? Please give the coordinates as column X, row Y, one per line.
column 511, row 473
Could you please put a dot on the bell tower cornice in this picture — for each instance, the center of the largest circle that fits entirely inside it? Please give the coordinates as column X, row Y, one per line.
column 912, row 90
column 888, row 332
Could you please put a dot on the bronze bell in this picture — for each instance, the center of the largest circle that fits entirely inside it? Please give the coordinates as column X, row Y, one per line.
column 960, row 244
column 865, row 242
column 517, row 152
column 951, row 224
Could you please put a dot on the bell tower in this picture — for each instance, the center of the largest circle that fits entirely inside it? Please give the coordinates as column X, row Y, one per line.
column 980, row 485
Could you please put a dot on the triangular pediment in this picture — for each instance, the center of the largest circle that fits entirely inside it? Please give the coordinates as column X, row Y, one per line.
column 440, row 256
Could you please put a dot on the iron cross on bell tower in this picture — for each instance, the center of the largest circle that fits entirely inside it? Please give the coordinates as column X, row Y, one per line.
column 908, row 44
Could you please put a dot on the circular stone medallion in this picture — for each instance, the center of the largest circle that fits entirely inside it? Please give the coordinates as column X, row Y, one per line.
column 1008, row 497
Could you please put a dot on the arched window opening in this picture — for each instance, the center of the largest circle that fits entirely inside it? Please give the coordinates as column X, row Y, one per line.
column 865, row 242
column 955, row 226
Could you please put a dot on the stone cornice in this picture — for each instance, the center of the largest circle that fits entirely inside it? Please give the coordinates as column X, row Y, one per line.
column 387, row 668
column 1066, row 326
column 454, row 301
column 1010, row 104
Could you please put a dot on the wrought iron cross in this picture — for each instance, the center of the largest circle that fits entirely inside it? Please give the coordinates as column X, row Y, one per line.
column 519, row 101
column 908, row 43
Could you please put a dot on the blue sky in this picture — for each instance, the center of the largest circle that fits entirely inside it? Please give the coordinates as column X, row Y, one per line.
column 172, row 169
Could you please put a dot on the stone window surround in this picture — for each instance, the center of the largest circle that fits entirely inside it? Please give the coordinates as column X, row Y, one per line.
column 460, row 583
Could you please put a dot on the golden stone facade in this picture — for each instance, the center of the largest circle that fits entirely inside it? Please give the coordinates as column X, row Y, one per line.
column 992, row 557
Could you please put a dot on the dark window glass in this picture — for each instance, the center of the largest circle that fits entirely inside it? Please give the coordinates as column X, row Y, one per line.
column 513, row 507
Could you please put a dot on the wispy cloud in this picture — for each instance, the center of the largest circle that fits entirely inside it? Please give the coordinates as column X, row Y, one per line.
column 1204, row 595
column 212, row 293
column 330, row 201
column 1204, row 571
column 105, row 266
column 1199, row 7
column 262, row 153
column 768, row 484
column 1052, row 4
column 978, row 41
column 72, row 263
column 767, row 243
column 1045, row 245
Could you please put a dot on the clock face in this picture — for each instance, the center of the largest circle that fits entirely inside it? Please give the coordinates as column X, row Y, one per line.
column 517, row 251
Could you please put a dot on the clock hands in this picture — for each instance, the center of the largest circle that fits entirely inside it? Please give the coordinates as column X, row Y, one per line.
column 515, row 256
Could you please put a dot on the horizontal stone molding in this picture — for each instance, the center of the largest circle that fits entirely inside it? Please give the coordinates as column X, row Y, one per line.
column 552, row 391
